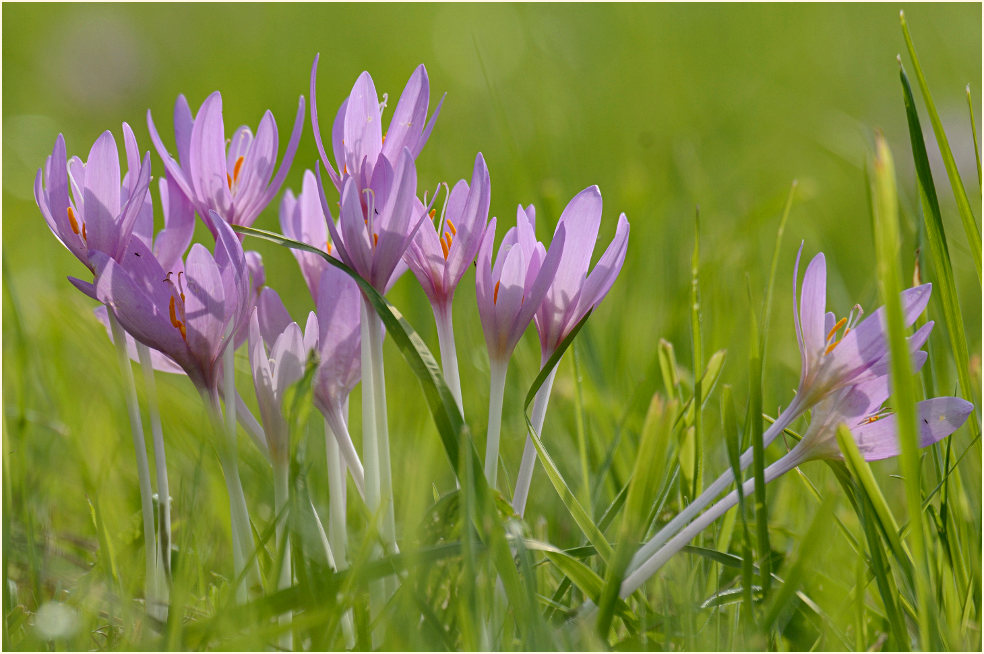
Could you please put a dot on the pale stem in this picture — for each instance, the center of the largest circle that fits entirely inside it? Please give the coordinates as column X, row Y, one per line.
column 370, row 451
column 338, row 532
column 348, row 626
column 382, row 435
column 163, row 491
column 497, row 389
column 675, row 544
column 449, row 356
column 338, row 442
column 281, row 492
column 252, row 426
column 143, row 468
column 711, row 492
column 525, row 476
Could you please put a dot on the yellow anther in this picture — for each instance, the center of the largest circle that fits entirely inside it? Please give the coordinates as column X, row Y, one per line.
column 375, row 240
column 451, row 227
column 72, row 221
column 384, row 138
column 328, row 247
column 432, row 213
column 830, row 348
column 495, row 294
column 237, row 168
column 840, row 323
column 870, row 420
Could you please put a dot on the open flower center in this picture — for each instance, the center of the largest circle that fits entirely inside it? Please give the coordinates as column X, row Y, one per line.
column 835, row 336
column 233, row 179
column 74, row 223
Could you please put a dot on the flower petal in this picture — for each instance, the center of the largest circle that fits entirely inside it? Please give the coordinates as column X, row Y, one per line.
column 272, row 315
column 937, row 418
column 207, row 164
column 102, row 194
column 813, row 300
column 205, row 304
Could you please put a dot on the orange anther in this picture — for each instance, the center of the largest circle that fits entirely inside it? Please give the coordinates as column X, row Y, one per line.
column 328, row 247
column 447, row 237
column 495, row 294
column 72, row 221
column 444, row 248
column 384, row 138
column 375, row 240
column 432, row 213
column 451, row 227
column 174, row 319
column 870, row 420
column 84, row 237
column 840, row 323
column 237, row 168
column 830, row 348
column 229, row 180
column 345, row 169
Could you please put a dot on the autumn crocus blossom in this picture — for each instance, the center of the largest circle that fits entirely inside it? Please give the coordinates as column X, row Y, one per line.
column 572, row 294
column 87, row 206
column 235, row 177
column 357, row 136
column 835, row 354
column 508, row 294
column 302, row 219
column 189, row 312
column 438, row 256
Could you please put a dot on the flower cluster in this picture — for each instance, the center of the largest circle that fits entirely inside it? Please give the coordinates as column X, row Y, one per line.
column 187, row 308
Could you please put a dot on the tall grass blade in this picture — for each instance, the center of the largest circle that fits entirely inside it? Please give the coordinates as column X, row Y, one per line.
column 753, row 427
column 698, row 359
column 971, row 229
column 939, row 252
column 733, row 440
column 903, row 399
column 973, row 132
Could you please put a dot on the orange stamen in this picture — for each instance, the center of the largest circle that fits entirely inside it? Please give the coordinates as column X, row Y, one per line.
column 451, row 227
column 495, row 294
column 447, row 235
column 432, row 213
column 236, row 169
column 345, row 169
column 84, row 237
column 375, row 240
column 174, row 319
column 384, row 138
column 444, row 248
column 840, row 323
column 830, row 348
column 328, row 247
column 870, row 420
column 229, row 180
column 72, row 221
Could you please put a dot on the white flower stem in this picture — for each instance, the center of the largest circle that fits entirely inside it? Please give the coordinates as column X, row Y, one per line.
column 337, row 529
column 449, row 356
column 711, row 492
column 525, row 476
column 163, row 491
column 497, row 388
column 370, row 451
column 348, row 626
column 281, row 493
column 675, row 544
column 382, row 435
column 338, row 443
column 143, row 469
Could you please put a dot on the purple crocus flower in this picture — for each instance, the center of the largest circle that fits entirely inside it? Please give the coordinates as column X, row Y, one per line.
column 86, row 205
column 439, row 261
column 357, row 134
column 571, row 295
column 302, row 219
column 234, row 178
column 508, row 295
column 377, row 223
column 574, row 292
column 189, row 312
column 334, row 335
column 510, row 292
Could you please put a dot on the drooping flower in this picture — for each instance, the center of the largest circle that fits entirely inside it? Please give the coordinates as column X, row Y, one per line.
column 439, row 261
column 376, row 223
column 357, row 136
column 574, row 291
column 333, row 334
column 86, row 205
column 189, row 312
column 235, row 178
column 510, row 292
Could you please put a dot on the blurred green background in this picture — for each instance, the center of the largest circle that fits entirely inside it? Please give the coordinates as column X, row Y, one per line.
column 666, row 107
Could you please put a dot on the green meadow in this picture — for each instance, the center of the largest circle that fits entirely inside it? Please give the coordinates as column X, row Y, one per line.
column 727, row 134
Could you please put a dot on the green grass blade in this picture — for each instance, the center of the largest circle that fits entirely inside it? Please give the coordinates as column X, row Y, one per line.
column 903, row 400
column 753, row 424
column 971, row 229
column 656, row 433
column 733, row 440
column 973, row 132
column 698, row 359
column 767, row 311
column 939, row 252
column 574, row 507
